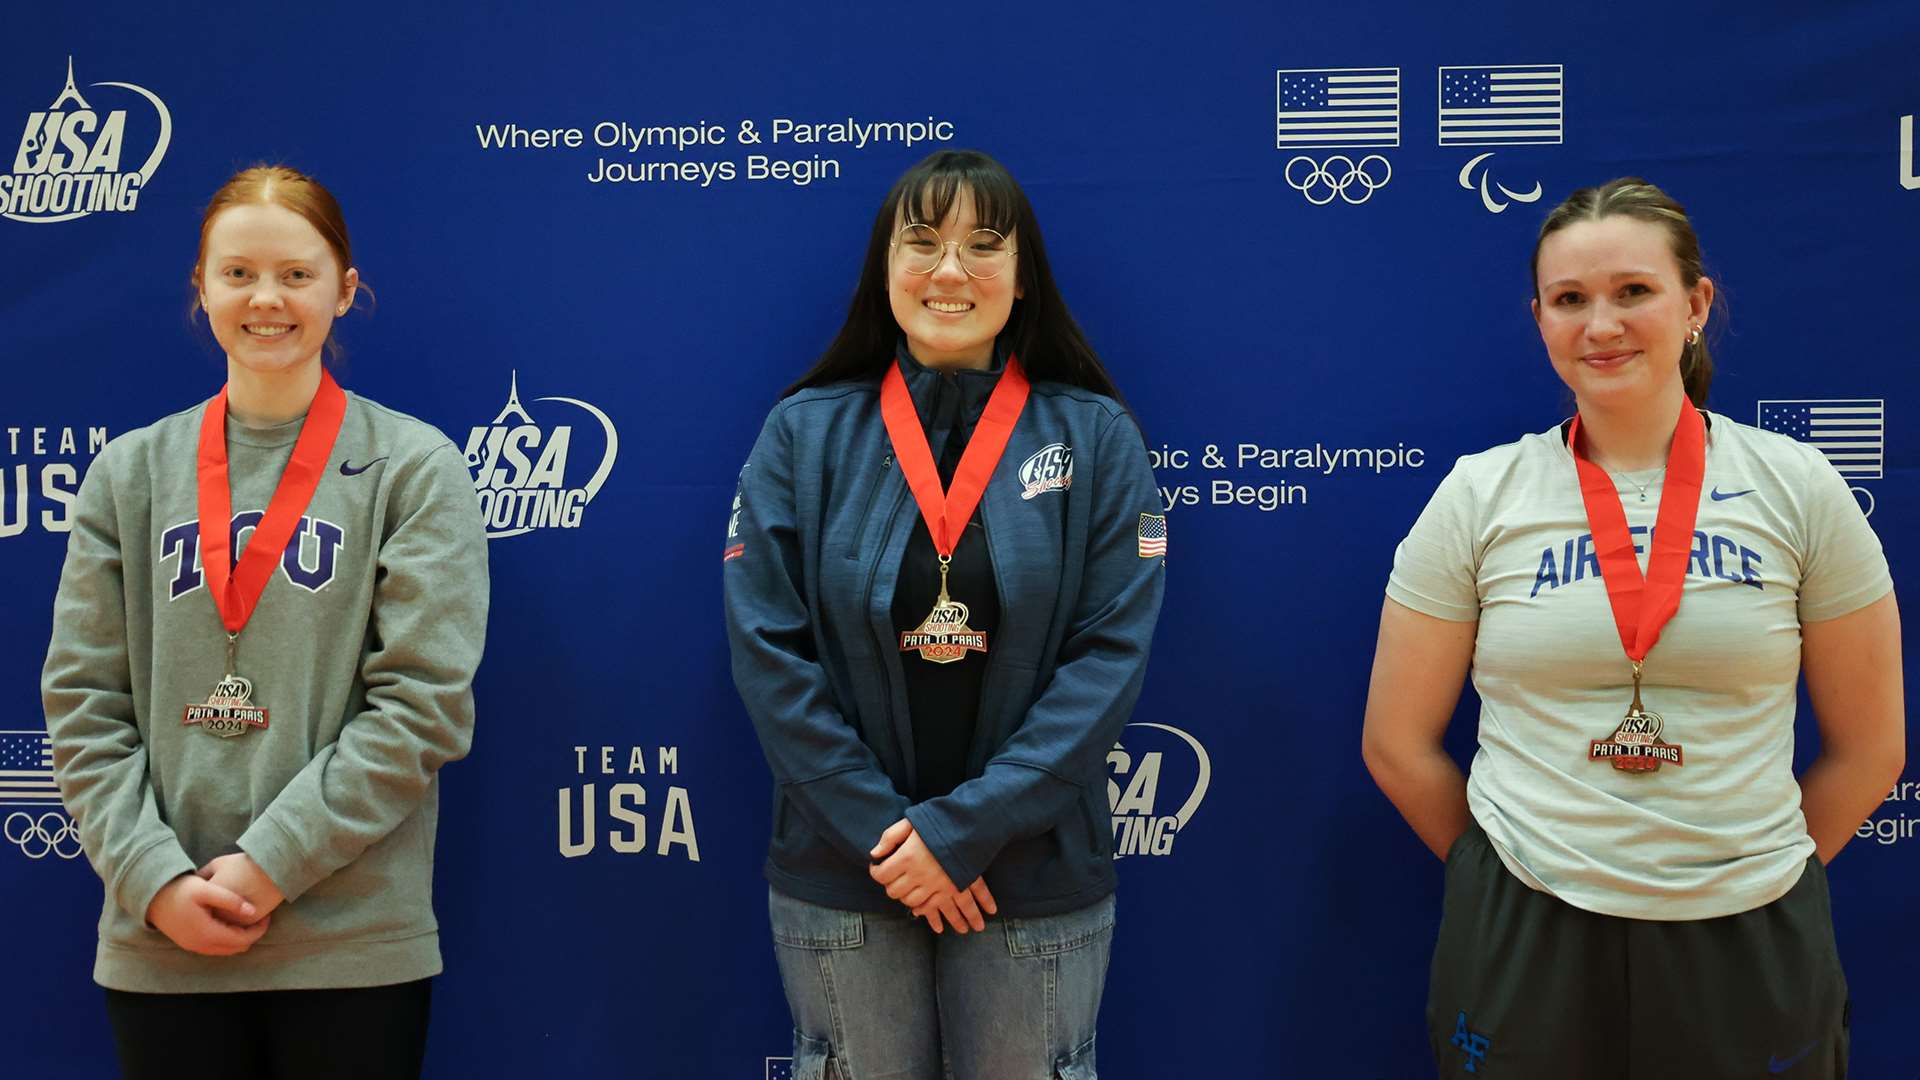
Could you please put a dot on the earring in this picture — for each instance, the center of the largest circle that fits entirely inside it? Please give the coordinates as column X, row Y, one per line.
column 1694, row 338
column 342, row 310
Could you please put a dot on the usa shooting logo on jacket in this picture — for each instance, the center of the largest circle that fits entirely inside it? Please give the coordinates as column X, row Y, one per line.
column 1049, row 469
column 71, row 160
column 520, row 468
column 1148, row 757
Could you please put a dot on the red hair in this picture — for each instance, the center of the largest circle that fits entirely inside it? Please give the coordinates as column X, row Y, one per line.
column 279, row 185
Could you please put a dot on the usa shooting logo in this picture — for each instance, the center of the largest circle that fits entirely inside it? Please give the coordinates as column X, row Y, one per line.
column 520, row 468
column 70, row 159
column 1049, row 469
column 1148, row 755
column 40, row 827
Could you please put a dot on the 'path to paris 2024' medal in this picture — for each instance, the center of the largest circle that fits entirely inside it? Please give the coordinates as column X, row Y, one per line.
column 943, row 636
column 1642, row 604
column 235, row 588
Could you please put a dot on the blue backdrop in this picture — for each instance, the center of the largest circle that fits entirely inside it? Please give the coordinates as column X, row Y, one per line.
column 645, row 278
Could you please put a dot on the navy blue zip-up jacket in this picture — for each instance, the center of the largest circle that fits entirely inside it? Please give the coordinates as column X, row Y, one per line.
column 820, row 524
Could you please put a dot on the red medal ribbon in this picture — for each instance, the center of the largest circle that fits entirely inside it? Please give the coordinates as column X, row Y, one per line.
column 947, row 512
column 236, row 590
column 1642, row 606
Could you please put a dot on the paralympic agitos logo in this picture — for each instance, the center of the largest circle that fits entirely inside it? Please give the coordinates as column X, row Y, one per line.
column 520, row 468
column 69, row 162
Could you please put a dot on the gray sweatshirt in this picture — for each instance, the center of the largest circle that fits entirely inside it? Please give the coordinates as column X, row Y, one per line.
column 362, row 650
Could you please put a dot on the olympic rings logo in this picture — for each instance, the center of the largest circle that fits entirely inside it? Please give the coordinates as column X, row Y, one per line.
column 1322, row 182
column 50, row 832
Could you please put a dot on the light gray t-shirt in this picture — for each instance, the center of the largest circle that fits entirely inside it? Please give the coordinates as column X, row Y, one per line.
column 362, row 649
column 1779, row 541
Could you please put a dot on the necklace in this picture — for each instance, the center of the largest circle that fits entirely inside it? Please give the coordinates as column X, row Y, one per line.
column 1637, row 485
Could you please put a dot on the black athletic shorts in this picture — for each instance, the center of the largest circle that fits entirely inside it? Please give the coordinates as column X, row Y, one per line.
column 1528, row 987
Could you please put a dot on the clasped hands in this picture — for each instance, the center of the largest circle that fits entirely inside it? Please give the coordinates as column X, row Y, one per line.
column 914, row 877
column 220, row 909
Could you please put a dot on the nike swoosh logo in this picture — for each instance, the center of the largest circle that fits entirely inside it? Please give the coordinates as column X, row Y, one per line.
column 1777, row 1066
column 1723, row 496
column 347, row 469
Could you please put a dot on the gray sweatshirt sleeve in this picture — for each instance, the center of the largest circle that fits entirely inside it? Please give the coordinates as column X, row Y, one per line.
column 428, row 627
column 86, row 688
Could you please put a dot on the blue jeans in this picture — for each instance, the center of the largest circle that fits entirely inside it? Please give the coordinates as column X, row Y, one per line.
column 882, row 997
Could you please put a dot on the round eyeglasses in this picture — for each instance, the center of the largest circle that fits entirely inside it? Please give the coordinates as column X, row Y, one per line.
column 983, row 254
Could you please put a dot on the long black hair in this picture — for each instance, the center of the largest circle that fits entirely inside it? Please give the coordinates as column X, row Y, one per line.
column 1040, row 330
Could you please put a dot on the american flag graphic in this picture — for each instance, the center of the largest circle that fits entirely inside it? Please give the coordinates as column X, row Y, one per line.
column 780, row 1068
column 1851, row 432
column 26, row 769
column 1501, row 105
column 1337, row 107
column 1153, row 536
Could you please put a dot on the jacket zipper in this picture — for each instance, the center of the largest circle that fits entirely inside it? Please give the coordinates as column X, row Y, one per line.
column 860, row 530
column 866, row 611
column 1000, row 592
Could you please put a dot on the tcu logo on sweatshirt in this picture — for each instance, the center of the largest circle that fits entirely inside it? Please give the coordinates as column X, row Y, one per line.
column 308, row 561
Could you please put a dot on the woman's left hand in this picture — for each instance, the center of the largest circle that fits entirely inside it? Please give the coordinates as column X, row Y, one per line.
column 241, row 874
column 912, row 875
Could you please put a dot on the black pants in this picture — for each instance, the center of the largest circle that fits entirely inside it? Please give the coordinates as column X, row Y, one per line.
column 370, row 1033
column 1527, row 987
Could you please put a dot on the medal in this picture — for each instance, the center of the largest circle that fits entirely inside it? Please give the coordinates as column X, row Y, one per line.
column 236, row 588
column 1643, row 604
column 227, row 711
column 943, row 636
column 1636, row 745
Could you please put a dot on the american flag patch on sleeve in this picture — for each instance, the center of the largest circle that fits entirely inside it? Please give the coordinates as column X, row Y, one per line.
column 1153, row 536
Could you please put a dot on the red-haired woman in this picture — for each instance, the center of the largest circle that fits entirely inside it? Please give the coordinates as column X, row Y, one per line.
column 271, row 610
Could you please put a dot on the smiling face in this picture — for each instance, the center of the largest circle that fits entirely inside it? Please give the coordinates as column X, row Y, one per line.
column 271, row 288
column 949, row 318
column 1614, row 311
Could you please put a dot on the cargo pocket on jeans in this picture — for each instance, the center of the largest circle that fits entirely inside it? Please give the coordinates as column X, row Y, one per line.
column 1051, row 935
column 812, row 1059
column 1077, row 1065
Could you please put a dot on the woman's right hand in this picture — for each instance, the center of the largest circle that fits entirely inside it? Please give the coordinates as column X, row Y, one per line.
column 970, row 902
column 205, row 918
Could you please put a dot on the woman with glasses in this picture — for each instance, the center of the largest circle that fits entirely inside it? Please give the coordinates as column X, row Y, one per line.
column 942, row 573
